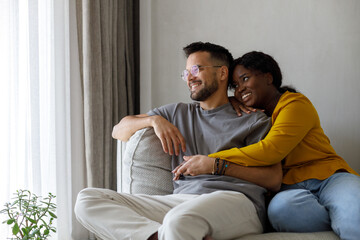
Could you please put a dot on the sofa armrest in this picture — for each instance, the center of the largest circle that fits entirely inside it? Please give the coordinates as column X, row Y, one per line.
column 142, row 165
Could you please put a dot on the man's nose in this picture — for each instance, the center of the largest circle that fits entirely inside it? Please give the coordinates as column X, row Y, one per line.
column 190, row 77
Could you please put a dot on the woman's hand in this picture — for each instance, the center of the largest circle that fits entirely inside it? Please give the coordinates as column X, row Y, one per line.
column 239, row 106
column 194, row 165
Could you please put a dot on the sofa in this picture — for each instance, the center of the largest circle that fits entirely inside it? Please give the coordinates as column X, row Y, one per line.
column 143, row 167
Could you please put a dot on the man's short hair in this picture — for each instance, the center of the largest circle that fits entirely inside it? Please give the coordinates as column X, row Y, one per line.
column 217, row 52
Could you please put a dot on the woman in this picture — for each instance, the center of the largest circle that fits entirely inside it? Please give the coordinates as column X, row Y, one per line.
column 320, row 191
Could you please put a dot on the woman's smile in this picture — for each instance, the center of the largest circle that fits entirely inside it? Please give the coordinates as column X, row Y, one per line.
column 245, row 96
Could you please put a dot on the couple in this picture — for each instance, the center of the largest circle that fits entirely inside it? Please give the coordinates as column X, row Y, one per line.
column 223, row 163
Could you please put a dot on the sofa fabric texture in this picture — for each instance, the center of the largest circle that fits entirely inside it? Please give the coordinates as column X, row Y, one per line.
column 146, row 168
column 143, row 167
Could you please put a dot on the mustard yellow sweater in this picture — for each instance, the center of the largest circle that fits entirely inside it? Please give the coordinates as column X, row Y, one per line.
column 295, row 137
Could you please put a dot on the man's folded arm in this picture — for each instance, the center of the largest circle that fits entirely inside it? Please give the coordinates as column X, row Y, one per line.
column 171, row 139
column 129, row 125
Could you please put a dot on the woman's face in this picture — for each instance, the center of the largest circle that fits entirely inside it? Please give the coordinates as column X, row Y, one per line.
column 251, row 87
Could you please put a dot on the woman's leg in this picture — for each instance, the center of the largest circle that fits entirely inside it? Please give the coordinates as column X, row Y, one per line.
column 221, row 214
column 334, row 202
column 340, row 194
column 298, row 210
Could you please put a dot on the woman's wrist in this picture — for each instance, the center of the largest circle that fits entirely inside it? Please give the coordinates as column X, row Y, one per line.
column 220, row 166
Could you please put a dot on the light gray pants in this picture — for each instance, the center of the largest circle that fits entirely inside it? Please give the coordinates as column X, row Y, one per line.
column 112, row 215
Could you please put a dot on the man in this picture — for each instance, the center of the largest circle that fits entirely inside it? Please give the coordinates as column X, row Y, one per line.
column 212, row 197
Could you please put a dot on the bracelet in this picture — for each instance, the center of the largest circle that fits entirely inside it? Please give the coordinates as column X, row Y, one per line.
column 216, row 162
column 222, row 168
column 226, row 165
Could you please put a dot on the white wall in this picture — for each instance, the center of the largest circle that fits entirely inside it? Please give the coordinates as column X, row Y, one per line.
column 316, row 43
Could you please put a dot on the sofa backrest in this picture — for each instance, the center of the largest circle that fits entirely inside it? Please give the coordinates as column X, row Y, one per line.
column 143, row 166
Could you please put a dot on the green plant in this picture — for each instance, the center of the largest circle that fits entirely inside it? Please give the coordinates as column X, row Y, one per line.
column 31, row 216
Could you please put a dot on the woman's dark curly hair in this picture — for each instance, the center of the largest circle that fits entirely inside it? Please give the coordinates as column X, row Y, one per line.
column 264, row 63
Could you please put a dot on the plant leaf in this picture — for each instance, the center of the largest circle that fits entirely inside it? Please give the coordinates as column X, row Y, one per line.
column 45, row 224
column 46, row 232
column 15, row 229
column 25, row 231
column 36, row 231
column 10, row 221
column 32, row 220
column 52, row 214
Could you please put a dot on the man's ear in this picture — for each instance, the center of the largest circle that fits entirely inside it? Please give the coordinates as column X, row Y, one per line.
column 224, row 73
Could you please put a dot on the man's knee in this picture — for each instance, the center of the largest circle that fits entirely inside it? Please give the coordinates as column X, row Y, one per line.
column 84, row 200
column 185, row 224
column 174, row 219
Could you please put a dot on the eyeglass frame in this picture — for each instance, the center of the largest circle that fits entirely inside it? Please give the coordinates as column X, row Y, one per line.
column 191, row 70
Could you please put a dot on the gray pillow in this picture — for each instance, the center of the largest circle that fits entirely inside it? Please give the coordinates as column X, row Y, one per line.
column 146, row 168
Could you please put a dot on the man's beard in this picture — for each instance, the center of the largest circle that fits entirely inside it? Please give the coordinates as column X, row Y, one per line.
column 206, row 92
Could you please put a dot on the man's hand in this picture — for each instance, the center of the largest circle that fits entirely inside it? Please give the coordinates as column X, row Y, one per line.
column 170, row 137
column 194, row 165
column 239, row 106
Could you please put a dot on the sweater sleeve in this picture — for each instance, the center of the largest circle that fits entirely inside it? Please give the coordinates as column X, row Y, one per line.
column 294, row 120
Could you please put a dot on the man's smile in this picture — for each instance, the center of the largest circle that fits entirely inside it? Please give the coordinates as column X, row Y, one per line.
column 193, row 85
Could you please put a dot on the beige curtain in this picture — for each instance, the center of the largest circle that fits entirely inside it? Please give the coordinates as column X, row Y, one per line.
column 107, row 51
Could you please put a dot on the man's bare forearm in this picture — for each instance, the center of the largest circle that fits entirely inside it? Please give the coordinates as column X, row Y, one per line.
column 269, row 177
column 129, row 125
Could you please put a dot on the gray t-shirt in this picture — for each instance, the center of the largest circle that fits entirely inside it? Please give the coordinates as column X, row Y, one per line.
column 209, row 131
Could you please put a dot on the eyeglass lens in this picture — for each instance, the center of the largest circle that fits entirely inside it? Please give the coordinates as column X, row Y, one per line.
column 194, row 70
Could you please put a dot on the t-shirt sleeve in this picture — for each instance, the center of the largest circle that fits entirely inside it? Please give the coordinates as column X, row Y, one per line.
column 294, row 121
column 258, row 129
column 165, row 111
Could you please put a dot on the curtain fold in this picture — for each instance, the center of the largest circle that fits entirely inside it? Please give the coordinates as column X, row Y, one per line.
column 106, row 52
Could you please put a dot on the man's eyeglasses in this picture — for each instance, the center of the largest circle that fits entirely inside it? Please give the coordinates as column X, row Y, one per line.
column 194, row 70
